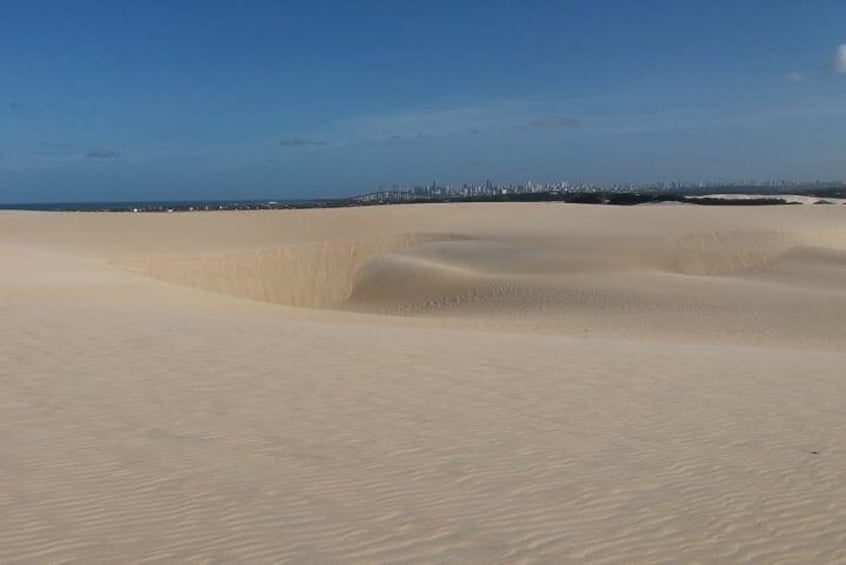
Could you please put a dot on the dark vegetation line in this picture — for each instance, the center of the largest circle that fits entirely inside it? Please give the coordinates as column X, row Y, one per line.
column 612, row 198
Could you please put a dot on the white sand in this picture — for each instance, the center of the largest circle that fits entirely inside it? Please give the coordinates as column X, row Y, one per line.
column 443, row 383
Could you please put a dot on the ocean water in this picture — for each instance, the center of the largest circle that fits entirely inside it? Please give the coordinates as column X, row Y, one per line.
column 147, row 205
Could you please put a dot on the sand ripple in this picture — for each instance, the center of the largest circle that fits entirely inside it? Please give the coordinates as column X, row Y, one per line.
column 553, row 384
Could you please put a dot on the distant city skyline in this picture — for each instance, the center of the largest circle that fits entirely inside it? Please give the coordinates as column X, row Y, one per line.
column 487, row 187
column 131, row 101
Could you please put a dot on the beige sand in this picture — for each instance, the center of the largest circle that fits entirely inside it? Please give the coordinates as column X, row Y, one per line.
column 444, row 383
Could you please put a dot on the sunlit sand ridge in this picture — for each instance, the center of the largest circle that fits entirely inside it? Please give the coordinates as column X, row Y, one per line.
column 467, row 383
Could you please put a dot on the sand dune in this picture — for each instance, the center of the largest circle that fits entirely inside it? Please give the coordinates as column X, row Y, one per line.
column 441, row 383
column 319, row 274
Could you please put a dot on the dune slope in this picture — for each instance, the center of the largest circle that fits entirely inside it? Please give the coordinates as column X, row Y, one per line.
column 479, row 383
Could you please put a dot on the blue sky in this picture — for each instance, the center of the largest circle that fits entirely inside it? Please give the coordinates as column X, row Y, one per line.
column 115, row 100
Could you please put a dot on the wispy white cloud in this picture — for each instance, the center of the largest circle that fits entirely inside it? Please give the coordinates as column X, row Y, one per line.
column 103, row 154
column 542, row 115
column 556, row 122
column 300, row 142
column 839, row 63
column 431, row 122
column 511, row 117
column 795, row 77
column 698, row 118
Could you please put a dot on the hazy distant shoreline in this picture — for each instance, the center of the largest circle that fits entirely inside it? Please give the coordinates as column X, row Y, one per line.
column 614, row 198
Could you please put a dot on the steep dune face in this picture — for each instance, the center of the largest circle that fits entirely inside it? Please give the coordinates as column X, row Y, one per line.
column 449, row 269
column 733, row 283
column 738, row 251
column 719, row 253
column 314, row 275
column 525, row 262
column 814, row 268
column 716, row 286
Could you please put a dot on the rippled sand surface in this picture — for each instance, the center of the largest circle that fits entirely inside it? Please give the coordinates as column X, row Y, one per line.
column 498, row 383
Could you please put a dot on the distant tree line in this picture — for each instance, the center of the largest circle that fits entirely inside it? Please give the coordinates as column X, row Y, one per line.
column 609, row 198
